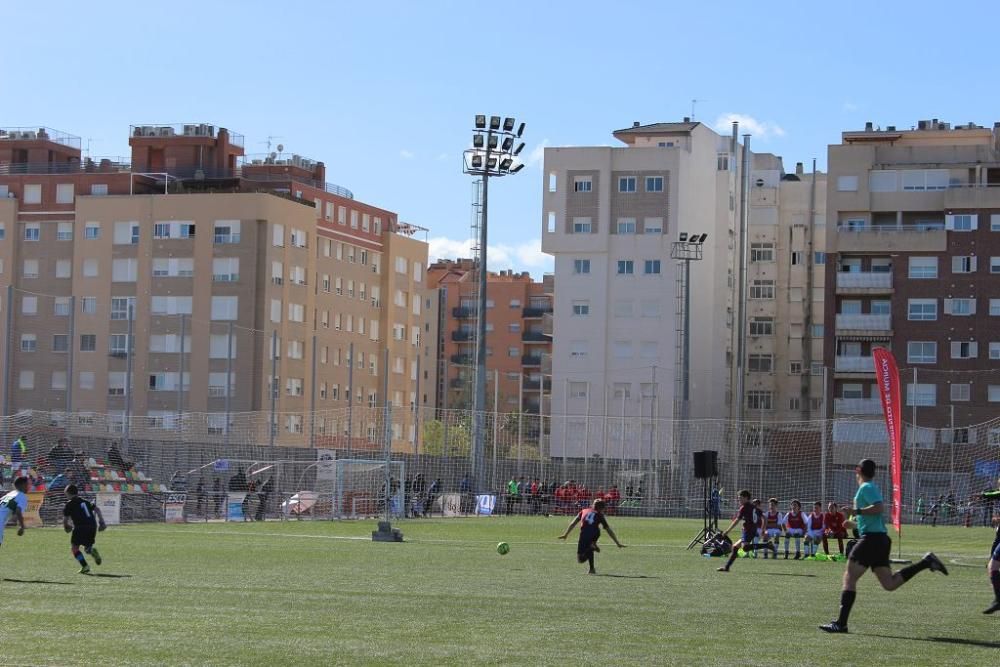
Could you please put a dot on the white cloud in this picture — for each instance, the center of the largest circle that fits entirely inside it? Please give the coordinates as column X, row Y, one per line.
column 850, row 107
column 760, row 129
column 527, row 256
column 406, row 155
column 442, row 157
column 537, row 155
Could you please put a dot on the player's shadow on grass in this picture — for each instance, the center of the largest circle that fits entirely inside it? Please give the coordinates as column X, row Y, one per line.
column 37, row 581
column 785, row 574
column 943, row 640
column 109, row 576
column 627, row 576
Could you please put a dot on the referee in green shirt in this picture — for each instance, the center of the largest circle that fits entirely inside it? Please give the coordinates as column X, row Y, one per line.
column 873, row 549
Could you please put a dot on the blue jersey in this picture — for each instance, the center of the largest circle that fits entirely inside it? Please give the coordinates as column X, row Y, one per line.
column 869, row 494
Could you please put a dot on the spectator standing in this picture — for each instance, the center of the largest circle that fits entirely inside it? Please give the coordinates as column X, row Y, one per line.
column 60, row 456
column 115, row 458
column 19, row 450
column 432, row 493
column 217, row 496
column 266, row 489
column 199, row 497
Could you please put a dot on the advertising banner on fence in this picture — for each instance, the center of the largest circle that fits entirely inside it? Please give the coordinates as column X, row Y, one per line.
column 173, row 507
column 110, row 505
column 33, row 518
column 485, row 505
column 451, row 504
column 326, row 465
column 234, row 506
column 887, row 376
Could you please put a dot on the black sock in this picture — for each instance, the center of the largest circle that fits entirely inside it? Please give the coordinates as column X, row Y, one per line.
column 590, row 559
column 846, row 602
column 910, row 571
column 995, row 580
column 733, row 555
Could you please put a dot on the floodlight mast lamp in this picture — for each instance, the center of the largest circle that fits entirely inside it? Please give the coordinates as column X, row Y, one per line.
column 687, row 249
column 492, row 154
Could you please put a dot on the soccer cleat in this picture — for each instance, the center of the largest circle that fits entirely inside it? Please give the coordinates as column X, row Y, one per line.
column 833, row 627
column 97, row 556
column 935, row 563
column 596, row 548
column 85, row 569
column 798, row 556
column 993, row 608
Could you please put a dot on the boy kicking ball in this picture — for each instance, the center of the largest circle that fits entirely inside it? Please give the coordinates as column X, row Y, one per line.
column 750, row 516
column 14, row 503
column 83, row 519
column 590, row 519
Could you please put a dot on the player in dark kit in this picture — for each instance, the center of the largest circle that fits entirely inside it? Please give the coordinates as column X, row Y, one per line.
column 590, row 519
column 751, row 517
column 872, row 550
column 993, row 567
column 83, row 519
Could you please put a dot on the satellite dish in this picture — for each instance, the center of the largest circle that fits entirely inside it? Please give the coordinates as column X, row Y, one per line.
column 273, row 155
column 281, row 147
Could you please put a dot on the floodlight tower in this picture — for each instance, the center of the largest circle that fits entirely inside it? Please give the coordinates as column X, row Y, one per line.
column 493, row 153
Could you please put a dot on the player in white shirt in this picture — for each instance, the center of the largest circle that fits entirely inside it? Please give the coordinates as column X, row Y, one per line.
column 14, row 504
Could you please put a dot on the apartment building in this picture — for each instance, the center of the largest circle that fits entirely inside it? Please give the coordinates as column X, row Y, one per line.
column 518, row 343
column 785, row 293
column 248, row 284
column 914, row 264
column 610, row 215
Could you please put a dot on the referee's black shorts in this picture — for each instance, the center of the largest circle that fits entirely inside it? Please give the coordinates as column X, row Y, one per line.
column 83, row 536
column 872, row 550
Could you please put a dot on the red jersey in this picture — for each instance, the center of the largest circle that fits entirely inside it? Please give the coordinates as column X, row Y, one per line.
column 750, row 516
column 834, row 522
column 815, row 521
column 771, row 520
column 795, row 521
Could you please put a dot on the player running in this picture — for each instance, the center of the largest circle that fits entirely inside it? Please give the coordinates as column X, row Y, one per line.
column 816, row 529
column 795, row 526
column 83, row 518
column 872, row 550
column 14, row 503
column 772, row 526
column 750, row 516
column 993, row 567
column 590, row 519
column 833, row 522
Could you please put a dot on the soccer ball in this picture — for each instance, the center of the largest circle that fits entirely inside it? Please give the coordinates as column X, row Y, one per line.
column 503, row 548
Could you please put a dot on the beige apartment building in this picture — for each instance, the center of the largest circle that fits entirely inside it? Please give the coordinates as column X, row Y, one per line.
column 249, row 285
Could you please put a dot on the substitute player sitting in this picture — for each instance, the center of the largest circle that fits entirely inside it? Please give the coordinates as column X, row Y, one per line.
column 83, row 518
column 833, row 522
column 750, row 516
column 772, row 526
column 14, row 504
column 795, row 526
column 815, row 530
column 590, row 519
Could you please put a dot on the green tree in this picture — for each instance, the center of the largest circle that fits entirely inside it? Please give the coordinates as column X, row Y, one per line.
column 442, row 439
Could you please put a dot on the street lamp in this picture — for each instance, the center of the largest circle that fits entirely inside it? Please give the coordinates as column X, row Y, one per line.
column 492, row 154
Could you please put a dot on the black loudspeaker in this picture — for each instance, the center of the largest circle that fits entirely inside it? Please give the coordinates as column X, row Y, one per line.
column 706, row 464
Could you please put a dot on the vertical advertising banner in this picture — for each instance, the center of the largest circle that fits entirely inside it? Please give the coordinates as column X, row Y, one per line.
column 110, row 505
column 326, row 465
column 33, row 517
column 887, row 375
column 173, row 507
column 234, row 506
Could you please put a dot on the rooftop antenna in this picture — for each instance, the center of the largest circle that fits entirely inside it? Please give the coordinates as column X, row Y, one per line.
column 268, row 142
column 87, row 155
column 694, row 103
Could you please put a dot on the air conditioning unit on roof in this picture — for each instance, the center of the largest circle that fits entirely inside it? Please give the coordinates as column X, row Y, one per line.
column 190, row 130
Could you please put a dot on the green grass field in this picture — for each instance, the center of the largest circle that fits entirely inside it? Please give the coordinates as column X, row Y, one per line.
column 321, row 593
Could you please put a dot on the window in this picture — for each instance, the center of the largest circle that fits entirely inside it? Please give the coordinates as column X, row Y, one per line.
column 761, row 252
column 64, row 193
column 64, row 268
column 99, row 189
column 126, row 233
column 296, row 312
column 994, row 307
column 881, row 307
column 623, row 308
column 796, row 257
column 993, row 393
column 30, row 268
column 225, row 269
column 626, row 184
column 847, row 184
column 170, row 305
column 762, row 326
column 817, row 331
column 759, row 400
column 354, row 219
column 92, row 231
column 118, row 345
column 29, row 305
column 722, row 161
column 400, row 265
column 622, row 349
column 882, row 181
column 33, row 194
column 582, row 226
column 626, row 267
column 3, row 226
column 90, row 268
column 760, row 363
column 226, row 231
column 922, row 309
column 964, row 349
column 795, row 403
column 513, row 351
column 651, row 267
column 819, row 257
column 278, row 236
column 87, row 379
column 60, row 306
column 116, row 383
column 26, row 380
column 921, row 352
column 418, row 268
column 994, row 264
column 964, row 222
column 582, row 184
column 173, row 267
column 995, row 222
column 221, row 384
column 622, row 390
column 32, row 231
column 961, row 307
column 168, row 343
column 64, row 231
column 963, row 264
column 625, row 226
column 921, row 395
column 581, row 266
column 299, row 238
column 654, row 184
column 762, row 289
column 88, row 342
column 29, row 342
column 923, row 267
column 795, row 368
column 961, row 391
column 652, row 226
column 581, row 308
column 124, row 270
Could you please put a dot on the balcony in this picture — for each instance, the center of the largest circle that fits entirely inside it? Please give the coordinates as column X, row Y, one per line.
column 853, row 365
column 461, row 312
column 97, row 165
column 534, row 336
column 549, row 283
column 458, row 383
column 531, row 360
column 463, row 336
column 920, row 237
column 857, row 406
column 548, row 322
column 864, row 322
column 972, row 196
column 537, row 310
column 864, row 282
column 535, row 385
column 546, row 363
column 461, row 359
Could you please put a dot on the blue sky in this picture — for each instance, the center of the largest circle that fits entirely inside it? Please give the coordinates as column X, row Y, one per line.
column 385, row 92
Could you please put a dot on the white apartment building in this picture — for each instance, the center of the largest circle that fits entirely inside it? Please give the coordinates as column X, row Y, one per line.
column 610, row 216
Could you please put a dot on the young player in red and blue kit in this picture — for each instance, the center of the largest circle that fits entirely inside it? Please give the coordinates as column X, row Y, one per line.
column 750, row 516
column 590, row 519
